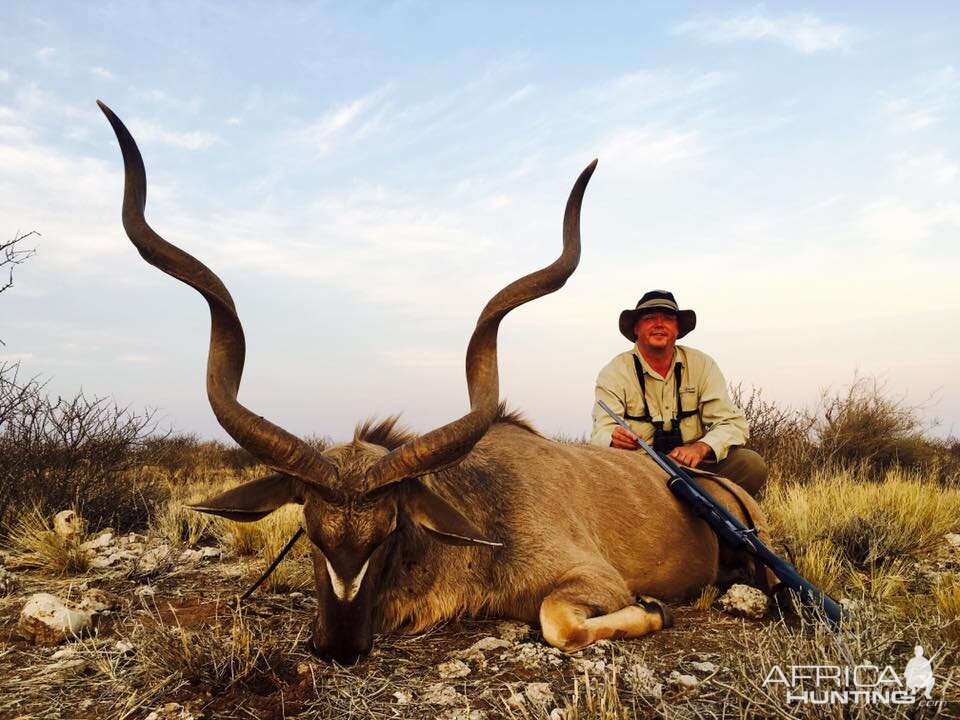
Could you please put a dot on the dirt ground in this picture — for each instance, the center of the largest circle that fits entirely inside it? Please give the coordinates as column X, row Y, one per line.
column 187, row 645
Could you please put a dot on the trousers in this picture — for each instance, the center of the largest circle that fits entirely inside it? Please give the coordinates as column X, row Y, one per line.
column 741, row 465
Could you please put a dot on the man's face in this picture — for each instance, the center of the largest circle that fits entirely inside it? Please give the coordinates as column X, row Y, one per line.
column 656, row 331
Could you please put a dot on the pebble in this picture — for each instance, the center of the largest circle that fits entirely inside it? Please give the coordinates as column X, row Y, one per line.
column 453, row 669
column 683, row 683
column 745, row 601
column 441, row 694
column 47, row 620
column 704, row 667
column 643, row 681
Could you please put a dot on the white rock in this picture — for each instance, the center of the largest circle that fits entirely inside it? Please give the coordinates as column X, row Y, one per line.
column 461, row 714
column 643, row 681
column 101, row 541
column 539, row 693
column 101, row 562
column 561, row 714
column 440, row 694
column 513, row 631
column 953, row 539
column 8, row 581
column 209, row 553
column 171, row 711
column 145, row 591
column 94, row 601
column 47, row 620
column 589, row 667
column 745, row 601
column 190, row 556
column 124, row 646
column 66, row 667
column 475, row 653
column 63, row 654
column 68, row 524
column 453, row 669
column 403, row 697
column 684, row 684
column 153, row 558
column 704, row 667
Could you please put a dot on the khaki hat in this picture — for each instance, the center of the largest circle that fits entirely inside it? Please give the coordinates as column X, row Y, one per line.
column 656, row 301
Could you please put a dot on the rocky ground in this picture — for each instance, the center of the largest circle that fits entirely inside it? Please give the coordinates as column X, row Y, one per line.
column 153, row 631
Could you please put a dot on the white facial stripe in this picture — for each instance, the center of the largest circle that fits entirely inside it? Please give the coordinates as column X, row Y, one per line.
column 346, row 592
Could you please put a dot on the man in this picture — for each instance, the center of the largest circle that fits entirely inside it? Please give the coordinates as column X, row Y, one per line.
column 673, row 396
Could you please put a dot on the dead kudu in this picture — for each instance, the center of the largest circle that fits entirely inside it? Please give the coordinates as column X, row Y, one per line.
column 482, row 516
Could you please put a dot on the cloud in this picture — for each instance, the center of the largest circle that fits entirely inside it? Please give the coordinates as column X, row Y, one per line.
column 4, row 75
column 934, row 93
column 102, row 73
column 322, row 132
column 45, row 54
column 147, row 132
column 804, row 32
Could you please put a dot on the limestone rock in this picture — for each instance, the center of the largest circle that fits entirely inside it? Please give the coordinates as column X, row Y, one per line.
column 441, row 694
column 684, row 684
column 101, row 541
column 512, row 631
column 539, row 694
column 68, row 524
column 953, row 540
column 643, row 681
column 171, row 711
column 745, row 601
column 8, row 581
column 704, row 667
column 95, row 601
column 47, row 620
column 453, row 669
column 475, row 653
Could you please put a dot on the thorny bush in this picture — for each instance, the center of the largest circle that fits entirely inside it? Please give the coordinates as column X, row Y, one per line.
column 57, row 452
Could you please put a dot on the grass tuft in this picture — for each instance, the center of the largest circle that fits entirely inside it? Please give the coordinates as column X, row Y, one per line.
column 33, row 535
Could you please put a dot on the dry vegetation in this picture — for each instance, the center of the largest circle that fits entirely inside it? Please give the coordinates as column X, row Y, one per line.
column 860, row 498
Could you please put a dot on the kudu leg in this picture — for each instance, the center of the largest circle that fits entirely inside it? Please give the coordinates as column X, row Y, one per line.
column 571, row 617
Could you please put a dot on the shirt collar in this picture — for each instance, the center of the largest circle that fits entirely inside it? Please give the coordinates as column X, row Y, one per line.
column 678, row 359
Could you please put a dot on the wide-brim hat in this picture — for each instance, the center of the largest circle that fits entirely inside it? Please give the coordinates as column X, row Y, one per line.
column 656, row 301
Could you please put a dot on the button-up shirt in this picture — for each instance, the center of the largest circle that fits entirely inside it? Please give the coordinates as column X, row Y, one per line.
column 719, row 423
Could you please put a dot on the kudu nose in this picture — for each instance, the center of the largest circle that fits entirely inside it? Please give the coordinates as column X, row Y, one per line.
column 343, row 653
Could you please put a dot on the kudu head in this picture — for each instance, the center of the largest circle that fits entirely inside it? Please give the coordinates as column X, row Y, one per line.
column 356, row 497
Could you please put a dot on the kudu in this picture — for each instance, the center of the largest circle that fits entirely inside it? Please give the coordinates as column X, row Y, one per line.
column 482, row 516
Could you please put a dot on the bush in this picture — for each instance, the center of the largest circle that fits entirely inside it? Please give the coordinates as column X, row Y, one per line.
column 861, row 427
column 57, row 453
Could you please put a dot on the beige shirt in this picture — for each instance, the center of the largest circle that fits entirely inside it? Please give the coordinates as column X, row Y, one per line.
column 719, row 423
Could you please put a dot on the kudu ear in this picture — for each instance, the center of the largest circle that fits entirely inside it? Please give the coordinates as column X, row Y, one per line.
column 253, row 500
column 440, row 518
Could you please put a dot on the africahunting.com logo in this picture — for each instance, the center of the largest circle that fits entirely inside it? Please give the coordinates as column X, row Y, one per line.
column 865, row 684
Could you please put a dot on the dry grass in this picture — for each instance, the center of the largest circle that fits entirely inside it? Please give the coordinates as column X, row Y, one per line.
column 33, row 536
column 867, row 523
column 708, row 596
column 216, row 657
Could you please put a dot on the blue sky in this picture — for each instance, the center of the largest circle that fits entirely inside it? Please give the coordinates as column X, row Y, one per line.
column 364, row 176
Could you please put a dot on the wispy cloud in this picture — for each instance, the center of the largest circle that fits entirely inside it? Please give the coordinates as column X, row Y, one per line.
column 102, row 73
column 45, row 54
column 933, row 95
column 804, row 32
column 4, row 75
column 333, row 125
column 147, row 132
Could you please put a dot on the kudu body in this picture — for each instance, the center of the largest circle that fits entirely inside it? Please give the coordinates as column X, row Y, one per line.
column 482, row 516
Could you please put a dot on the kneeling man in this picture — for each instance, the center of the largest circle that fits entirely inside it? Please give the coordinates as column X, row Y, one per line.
column 673, row 396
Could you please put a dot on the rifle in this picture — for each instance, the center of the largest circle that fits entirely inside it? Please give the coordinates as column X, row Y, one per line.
column 732, row 532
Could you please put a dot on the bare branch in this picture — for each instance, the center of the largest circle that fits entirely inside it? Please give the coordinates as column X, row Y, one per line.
column 11, row 255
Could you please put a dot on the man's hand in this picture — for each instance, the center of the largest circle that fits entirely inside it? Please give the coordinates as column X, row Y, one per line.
column 623, row 439
column 691, row 455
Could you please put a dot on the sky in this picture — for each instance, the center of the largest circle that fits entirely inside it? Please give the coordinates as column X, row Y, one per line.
column 364, row 176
